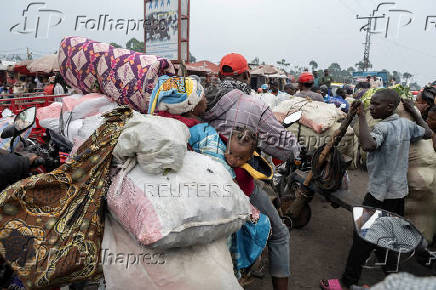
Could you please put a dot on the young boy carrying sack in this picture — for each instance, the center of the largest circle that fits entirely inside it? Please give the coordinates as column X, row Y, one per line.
column 388, row 147
column 388, row 154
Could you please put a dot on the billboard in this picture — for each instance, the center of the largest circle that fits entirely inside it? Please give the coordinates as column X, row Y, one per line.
column 167, row 28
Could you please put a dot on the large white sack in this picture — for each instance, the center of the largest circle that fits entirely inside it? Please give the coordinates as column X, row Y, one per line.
column 194, row 268
column 318, row 116
column 48, row 116
column 157, row 143
column 81, row 106
column 89, row 126
column 198, row 204
column 272, row 100
column 71, row 131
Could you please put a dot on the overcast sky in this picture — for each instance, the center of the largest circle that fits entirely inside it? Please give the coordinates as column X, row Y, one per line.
column 299, row 31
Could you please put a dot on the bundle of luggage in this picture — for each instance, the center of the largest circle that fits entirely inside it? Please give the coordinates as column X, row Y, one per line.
column 176, row 207
column 318, row 123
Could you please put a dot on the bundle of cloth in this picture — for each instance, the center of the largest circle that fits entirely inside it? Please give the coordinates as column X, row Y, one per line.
column 420, row 205
column 317, row 125
column 272, row 100
column 318, row 116
column 76, row 116
column 52, row 223
column 126, row 76
column 173, row 201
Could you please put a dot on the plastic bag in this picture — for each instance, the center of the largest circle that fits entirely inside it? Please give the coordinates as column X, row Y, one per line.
column 128, row 265
column 198, row 204
column 48, row 117
column 157, row 143
column 316, row 115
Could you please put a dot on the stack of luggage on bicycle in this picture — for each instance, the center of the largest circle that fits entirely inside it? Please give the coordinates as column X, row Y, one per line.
column 318, row 123
column 147, row 196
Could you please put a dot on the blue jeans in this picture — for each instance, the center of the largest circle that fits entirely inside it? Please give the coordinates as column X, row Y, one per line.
column 278, row 243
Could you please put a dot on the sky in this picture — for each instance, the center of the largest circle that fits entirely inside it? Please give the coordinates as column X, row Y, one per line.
column 298, row 31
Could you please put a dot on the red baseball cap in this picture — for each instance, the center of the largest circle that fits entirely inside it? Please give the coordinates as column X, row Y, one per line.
column 305, row 77
column 236, row 61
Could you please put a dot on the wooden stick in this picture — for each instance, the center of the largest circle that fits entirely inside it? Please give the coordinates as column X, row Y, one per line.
column 337, row 136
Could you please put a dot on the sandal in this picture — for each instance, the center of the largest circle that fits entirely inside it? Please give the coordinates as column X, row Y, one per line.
column 332, row 284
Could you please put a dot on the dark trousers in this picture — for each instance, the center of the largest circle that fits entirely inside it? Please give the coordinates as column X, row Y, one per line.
column 361, row 250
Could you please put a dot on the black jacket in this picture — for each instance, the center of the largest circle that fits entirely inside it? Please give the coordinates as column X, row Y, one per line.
column 12, row 169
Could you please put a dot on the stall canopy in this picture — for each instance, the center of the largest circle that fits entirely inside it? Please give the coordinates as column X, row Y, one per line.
column 203, row 66
column 265, row 70
column 4, row 64
column 46, row 64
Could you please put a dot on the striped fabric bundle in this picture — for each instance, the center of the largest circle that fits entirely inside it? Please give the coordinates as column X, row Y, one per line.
column 126, row 76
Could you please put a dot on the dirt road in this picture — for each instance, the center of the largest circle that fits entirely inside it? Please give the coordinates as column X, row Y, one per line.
column 319, row 251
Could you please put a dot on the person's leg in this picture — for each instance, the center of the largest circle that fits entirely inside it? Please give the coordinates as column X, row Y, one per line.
column 278, row 243
column 359, row 252
column 394, row 205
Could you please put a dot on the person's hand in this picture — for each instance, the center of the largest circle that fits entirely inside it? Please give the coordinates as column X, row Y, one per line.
column 409, row 106
column 358, row 105
column 31, row 156
column 279, row 116
column 434, row 142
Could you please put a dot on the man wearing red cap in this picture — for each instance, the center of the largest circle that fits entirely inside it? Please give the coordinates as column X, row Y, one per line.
column 230, row 105
column 305, row 82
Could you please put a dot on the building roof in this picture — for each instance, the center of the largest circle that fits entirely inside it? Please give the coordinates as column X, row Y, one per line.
column 203, row 66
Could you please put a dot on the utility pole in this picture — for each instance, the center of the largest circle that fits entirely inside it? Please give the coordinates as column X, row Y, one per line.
column 367, row 48
column 368, row 29
column 29, row 54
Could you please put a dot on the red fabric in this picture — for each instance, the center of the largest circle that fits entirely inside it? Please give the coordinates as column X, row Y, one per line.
column 276, row 161
column 189, row 122
column 237, row 62
column 306, row 77
column 49, row 89
column 244, row 180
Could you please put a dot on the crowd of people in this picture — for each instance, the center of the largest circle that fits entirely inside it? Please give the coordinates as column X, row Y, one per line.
column 53, row 85
column 236, row 118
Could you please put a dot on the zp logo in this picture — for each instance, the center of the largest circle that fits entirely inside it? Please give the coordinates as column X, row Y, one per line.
column 38, row 20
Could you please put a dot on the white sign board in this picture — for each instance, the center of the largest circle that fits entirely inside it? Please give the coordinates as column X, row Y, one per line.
column 162, row 28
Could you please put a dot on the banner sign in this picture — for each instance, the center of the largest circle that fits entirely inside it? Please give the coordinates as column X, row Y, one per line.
column 166, row 32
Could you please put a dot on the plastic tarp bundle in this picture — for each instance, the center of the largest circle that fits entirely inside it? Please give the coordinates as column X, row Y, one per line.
column 126, row 76
column 156, row 143
column 420, row 205
column 271, row 100
column 318, row 116
column 194, row 268
column 81, row 106
column 48, row 117
column 196, row 205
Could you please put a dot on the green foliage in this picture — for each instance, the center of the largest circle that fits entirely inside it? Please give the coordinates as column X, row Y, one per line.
column 255, row 61
column 115, row 45
column 404, row 93
column 135, row 45
column 192, row 58
column 313, row 64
